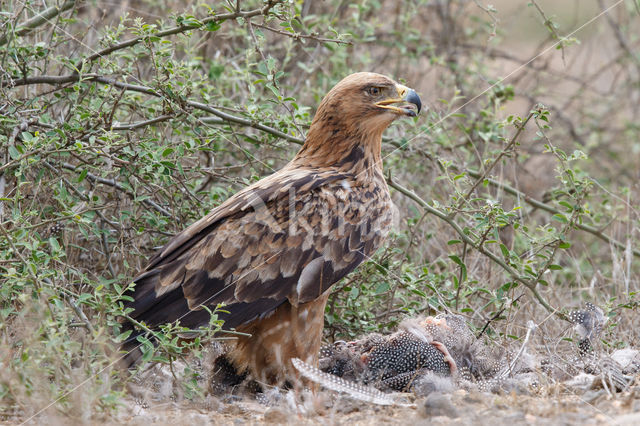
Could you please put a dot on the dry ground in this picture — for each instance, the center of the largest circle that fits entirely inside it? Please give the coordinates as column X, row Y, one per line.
column 461, row 407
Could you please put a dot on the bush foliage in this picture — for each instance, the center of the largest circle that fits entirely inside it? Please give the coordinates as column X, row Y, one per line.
column 121, row 125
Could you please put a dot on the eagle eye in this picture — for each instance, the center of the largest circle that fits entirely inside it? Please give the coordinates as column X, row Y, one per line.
column 374, row 91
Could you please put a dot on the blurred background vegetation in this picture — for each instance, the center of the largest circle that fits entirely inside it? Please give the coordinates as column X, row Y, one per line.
column 123, row 122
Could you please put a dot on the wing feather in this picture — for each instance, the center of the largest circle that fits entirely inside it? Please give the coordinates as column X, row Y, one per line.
column 252, row 254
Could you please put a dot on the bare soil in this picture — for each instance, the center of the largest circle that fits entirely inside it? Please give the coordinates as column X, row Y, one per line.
column 557, row 407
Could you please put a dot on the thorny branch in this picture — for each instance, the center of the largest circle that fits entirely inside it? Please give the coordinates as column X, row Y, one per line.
column 542, row 206
column 531, row 285
column 72, row 78
column 495, row 161
column 298, row 36
column 79, row 194
column 622, row 41
column 551, row 27
column 480, row 177
column 182, row 28
column 114, row 184
column 45, row 16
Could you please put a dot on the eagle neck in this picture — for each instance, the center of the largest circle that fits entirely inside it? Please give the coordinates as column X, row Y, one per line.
column 359, row 154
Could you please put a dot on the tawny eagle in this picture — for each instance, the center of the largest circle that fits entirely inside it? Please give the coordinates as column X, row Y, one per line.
column 271, row 252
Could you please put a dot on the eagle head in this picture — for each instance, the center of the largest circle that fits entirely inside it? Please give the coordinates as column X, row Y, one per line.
column 355, row 112
column 368, row 101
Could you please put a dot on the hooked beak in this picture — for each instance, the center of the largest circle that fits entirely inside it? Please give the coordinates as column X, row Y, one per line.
column 406, row 96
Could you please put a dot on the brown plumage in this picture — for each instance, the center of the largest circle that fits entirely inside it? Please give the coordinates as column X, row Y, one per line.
column 272, row 251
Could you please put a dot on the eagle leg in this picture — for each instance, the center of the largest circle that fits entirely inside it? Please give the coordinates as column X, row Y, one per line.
column 289, row 332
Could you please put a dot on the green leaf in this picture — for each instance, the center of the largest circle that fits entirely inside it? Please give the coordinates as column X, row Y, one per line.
column 212, row 26
column 383, row 287
column 560, row 218
column 13, row 152
column 146, row 348
column 456, row 259
column 82, row 175
column 355, row 292
column 505, row 251
column 53, row 242
column 460, row 176
column 567, row 205
column 419, row 292
column 463, row 267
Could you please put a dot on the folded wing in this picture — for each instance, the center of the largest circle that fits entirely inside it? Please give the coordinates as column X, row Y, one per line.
column 288, row 238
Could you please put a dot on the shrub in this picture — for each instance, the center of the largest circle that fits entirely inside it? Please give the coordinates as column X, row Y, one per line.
column 516, row 190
